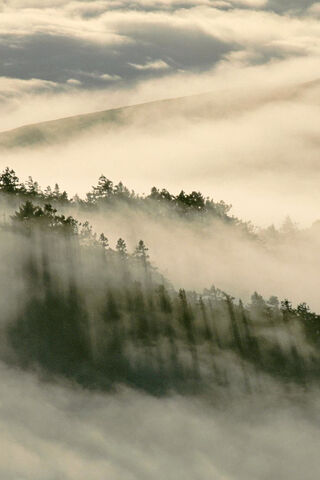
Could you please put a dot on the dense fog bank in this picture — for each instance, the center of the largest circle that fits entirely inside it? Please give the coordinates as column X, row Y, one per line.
column 52, row 431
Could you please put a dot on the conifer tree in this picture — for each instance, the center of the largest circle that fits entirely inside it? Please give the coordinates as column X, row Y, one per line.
column 9, row 182
column 121, row 248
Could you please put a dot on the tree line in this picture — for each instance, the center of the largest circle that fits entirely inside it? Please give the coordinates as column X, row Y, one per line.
column 106, row 192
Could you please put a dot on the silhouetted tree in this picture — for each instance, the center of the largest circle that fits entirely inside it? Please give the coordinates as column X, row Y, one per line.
column 32, row 188
column 9, row 182
column 104, row 241
column 121, row 248
column 35, row 216
column 141, row 254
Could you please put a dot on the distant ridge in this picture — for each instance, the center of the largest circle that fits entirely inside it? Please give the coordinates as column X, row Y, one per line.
column 63, row 129
column 195, row 107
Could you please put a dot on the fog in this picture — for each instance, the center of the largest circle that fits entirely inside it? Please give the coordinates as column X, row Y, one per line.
column 195, row 256
column 61, row 432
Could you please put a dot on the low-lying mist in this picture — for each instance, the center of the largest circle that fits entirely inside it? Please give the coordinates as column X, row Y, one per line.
column 61, row 432
column 194, row 255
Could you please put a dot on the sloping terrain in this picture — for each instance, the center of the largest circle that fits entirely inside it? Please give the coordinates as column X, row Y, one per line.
column 194, row 108
column 60, row 130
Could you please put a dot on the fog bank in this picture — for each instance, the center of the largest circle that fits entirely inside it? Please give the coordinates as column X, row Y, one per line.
column 59, row 432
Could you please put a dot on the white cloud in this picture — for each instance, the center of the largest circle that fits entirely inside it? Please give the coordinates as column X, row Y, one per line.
column 152, row 65
column 54, row 20
column 107, row 77
column 73, row 81
column 14, row 87
column 314, row 10
column 111, row 26
column 102, row 76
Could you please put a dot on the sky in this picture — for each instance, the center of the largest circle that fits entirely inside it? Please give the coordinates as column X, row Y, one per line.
column 259, row 59
column 63, row 46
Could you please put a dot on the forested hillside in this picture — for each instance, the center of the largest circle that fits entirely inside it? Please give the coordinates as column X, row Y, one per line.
column 101, row 316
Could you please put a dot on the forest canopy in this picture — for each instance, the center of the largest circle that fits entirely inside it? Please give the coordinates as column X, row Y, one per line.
column 106, row 192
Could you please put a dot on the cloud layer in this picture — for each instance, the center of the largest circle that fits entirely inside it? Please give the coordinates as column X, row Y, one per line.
column 99, row 41
column 59, row 432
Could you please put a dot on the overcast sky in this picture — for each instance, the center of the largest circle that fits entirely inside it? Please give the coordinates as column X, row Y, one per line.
column 54, row 45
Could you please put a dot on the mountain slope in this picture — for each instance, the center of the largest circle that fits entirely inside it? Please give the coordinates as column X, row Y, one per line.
column 66, row 128
column 195, row 107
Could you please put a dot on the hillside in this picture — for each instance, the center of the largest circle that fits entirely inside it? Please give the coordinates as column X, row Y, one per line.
column 204, row 106
column 66, row 128
column 101, row 314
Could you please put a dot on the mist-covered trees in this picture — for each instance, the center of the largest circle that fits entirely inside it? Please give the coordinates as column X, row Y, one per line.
column 311, row 322
column 141, row 252
column 93, row 315
column 106, row 193
column 102, row 315
column 121, row 248
column 34, row 216
column 9, row 182
column 52, row 330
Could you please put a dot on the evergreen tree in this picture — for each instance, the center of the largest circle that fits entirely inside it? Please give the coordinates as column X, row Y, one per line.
column 32, row 188
column 104, row 241
column 104, row 190
column 48, row 195
column 46, row 217
column 9, row 182
column 121, row 248
column 141, row 252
